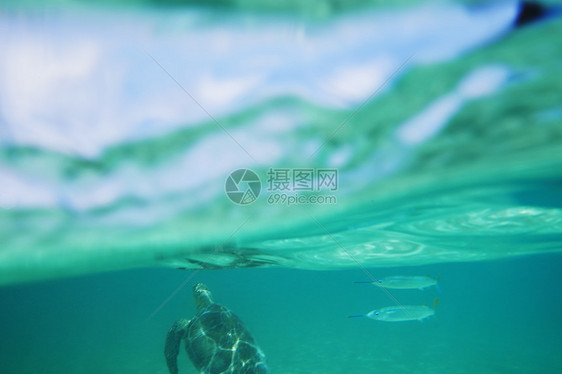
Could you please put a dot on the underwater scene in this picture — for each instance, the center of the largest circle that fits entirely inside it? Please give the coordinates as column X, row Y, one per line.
column 240, row 186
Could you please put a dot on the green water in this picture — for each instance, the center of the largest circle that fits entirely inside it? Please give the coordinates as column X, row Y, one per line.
column 111, row 178
column 492, row 317
column 484, row 185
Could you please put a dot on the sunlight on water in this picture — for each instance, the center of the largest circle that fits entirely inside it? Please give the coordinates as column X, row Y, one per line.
column 333, row 147
column 116, row 147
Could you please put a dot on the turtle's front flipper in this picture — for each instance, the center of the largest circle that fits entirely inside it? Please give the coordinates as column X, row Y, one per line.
column 173, row 339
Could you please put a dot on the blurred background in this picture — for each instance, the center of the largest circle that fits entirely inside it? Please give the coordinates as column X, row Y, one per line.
column 120, row 123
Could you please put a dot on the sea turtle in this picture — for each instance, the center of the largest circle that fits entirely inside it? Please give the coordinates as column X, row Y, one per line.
column 216, row 340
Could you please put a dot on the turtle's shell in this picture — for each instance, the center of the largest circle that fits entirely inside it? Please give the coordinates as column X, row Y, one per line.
column 217, row 342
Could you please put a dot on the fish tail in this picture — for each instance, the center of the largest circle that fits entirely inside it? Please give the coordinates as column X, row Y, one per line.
column 438, row 288
column 435, row 302
column 357, row 316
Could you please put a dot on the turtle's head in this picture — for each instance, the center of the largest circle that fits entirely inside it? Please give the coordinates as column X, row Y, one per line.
column 202, row 296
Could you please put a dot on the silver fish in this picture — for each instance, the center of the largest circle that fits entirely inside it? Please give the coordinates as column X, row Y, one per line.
column 401, row 313
column 406, row 282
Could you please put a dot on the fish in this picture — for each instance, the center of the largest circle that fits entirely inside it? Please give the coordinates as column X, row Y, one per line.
column 406, row 282
column 401, row 313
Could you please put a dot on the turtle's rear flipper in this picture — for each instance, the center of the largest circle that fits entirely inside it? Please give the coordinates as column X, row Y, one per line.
column 173, row 340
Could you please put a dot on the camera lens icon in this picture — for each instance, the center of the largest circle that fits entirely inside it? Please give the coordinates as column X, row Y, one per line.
column 243, row 186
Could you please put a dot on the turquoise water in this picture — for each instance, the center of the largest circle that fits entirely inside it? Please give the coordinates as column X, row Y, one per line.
column 493, row 317
column 115, row 149
column 120, row 125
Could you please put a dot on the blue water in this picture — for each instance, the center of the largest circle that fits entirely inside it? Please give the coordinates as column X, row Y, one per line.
column 493, row 317
column 114, row 151
column 443, row 122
